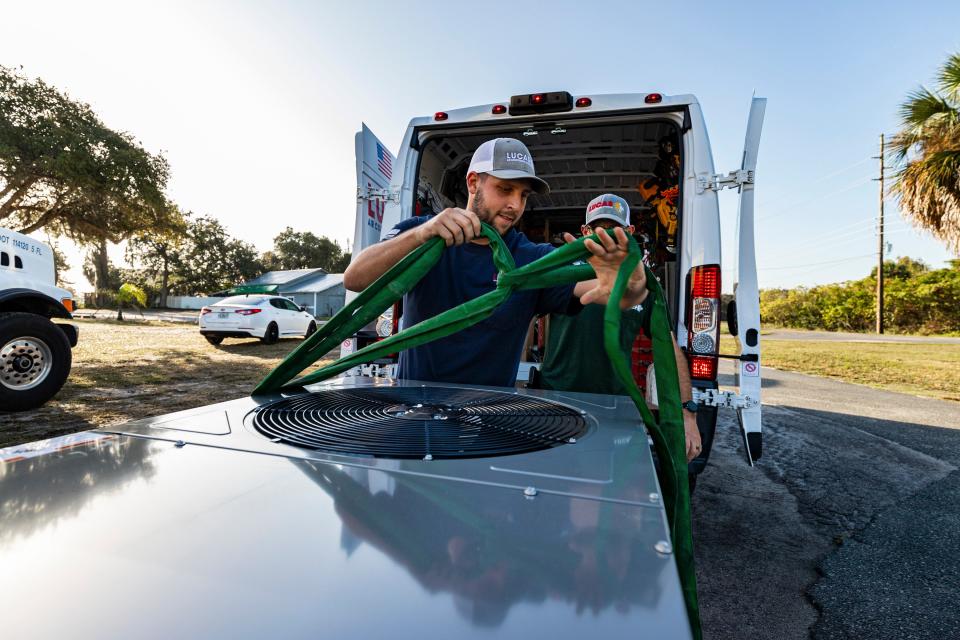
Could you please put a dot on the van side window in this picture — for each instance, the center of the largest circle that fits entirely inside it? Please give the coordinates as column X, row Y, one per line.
column 17, row 262
column 4, row 259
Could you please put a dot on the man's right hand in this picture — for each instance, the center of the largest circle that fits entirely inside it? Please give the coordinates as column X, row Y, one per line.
column 455, row 226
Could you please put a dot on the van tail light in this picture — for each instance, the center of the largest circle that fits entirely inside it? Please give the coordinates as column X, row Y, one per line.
column 584, row 102
column 205, row 310
column 440, row 116
column 67, row 304
column 248, row 312
column 703, row 321
column 653, row 98
column 498, row 109
column 388, row 323
column 703, row 368
column 397, row 312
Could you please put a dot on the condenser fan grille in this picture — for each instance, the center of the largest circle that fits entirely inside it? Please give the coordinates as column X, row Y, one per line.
column 419, row 422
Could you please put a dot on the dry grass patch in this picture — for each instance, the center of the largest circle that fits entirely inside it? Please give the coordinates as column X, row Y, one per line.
column 128, row 370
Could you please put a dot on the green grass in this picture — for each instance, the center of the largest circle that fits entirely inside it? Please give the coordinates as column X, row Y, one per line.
column 931, row 370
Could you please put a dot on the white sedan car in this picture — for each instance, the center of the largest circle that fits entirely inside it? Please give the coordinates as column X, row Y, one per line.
column 255, row 316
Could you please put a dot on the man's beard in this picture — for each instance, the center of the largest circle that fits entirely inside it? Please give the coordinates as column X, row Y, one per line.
column 484, row 213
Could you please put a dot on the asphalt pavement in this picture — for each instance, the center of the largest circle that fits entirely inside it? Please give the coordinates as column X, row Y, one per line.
column 846, row 528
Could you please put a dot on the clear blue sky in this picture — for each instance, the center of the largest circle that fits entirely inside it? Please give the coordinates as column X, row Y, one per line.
column 255, row 104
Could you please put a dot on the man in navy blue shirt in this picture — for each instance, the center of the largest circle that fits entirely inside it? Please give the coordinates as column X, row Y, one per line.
column 500, row 179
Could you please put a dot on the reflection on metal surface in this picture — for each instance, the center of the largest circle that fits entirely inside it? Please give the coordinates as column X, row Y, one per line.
column 493, row 551
column 41, row 486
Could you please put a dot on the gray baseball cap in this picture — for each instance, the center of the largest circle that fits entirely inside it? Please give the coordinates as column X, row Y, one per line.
column 609, row 207
column 507, row 159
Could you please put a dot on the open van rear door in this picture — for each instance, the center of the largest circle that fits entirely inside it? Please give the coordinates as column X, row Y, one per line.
column 375, row 170
column 375, row 166
column 746, row 291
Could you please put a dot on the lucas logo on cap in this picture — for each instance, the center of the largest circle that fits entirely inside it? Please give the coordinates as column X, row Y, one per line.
column 516, row 156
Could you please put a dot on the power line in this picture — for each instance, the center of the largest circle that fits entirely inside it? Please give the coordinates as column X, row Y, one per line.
column 848, row 187
column 818, row 180
column 861, row 227
column 817, row 264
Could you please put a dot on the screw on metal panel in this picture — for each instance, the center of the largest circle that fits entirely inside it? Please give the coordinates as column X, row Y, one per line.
column 179, row 443
column 663, row 547
column 654, row 498
column 428, row 457
column 530, row 492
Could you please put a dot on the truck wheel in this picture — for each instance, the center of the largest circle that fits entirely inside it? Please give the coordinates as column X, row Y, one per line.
column 35, row 360
column 214, row 339
column 272, row 334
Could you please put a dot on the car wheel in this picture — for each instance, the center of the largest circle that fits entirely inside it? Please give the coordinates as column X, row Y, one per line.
column 35, row 360
column 272, row 334
column 311, row 329
column 214, row 339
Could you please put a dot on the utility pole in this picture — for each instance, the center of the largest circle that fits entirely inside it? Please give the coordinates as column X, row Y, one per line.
column 880, row 248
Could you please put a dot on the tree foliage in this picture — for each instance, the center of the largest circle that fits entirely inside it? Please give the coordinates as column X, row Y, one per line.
column 304, row 250
column 154, row 254
column 927, row 148
column 130, row 295
column 916, row 300
column 209, row 260
column 62, row 169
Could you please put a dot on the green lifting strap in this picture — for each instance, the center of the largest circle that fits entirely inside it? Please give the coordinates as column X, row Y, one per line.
column 555, row 268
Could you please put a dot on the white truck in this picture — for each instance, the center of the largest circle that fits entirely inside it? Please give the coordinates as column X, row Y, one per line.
column 35, row 353
column 649, row 148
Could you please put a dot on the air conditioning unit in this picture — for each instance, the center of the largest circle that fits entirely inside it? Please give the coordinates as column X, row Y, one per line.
column 364, row 508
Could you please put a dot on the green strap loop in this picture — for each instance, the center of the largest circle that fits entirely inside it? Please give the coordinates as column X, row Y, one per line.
column 554, row 269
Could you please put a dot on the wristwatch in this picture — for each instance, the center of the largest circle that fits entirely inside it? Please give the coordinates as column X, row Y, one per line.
column 691, row 406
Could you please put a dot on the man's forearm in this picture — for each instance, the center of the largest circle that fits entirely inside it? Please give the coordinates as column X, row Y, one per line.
column 376, row 260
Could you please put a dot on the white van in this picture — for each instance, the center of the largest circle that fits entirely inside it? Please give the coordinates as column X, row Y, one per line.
column 632, row 145
column 35, row 353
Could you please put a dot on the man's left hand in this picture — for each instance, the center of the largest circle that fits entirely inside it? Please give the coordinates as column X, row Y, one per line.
column 607, row 256
column 692, row 435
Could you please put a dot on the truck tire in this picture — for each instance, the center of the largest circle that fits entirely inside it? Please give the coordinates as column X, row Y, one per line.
column 35, row 361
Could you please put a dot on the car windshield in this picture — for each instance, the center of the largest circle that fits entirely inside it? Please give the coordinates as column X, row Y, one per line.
column 241, row 300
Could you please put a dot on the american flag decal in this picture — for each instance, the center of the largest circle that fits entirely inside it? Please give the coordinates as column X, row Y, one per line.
column 384, row 162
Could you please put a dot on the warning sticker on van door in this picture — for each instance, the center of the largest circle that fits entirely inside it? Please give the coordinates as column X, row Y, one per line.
column 750, row 369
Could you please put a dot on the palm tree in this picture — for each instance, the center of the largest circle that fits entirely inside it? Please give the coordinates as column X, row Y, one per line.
column 927, row 149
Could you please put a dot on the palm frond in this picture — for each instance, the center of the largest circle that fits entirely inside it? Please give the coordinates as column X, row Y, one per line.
column 929, row 194
column 924, row 115
column 922, row 106
column 949, row 78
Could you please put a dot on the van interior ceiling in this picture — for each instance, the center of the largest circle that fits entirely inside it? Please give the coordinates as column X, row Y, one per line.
column 579, row 162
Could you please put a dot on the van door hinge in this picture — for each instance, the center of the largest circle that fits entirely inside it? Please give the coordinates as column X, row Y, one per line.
column 382, row 195
column 719, row 181
column 729, row 399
